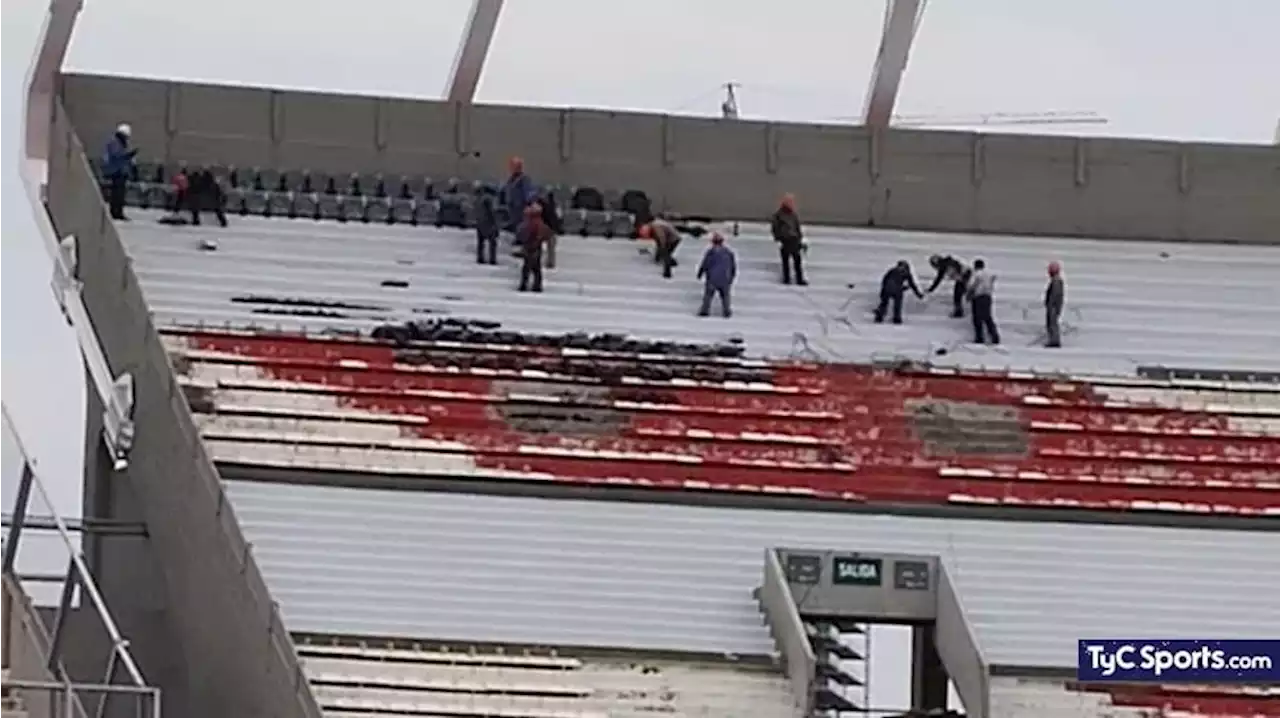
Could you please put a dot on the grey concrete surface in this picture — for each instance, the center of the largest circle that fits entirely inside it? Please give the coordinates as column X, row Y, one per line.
column 952, row 181
column 1118, row 307
column 537, row 571
column 128, row 574
column 231, row 655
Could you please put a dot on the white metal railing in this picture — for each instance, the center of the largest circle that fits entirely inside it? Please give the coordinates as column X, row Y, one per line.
column 79, row 577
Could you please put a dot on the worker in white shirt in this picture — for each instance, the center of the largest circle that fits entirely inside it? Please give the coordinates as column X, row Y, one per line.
column 981, row 286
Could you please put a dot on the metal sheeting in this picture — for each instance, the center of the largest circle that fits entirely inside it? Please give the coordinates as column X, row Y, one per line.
column 561, row 572
column 1129, row 303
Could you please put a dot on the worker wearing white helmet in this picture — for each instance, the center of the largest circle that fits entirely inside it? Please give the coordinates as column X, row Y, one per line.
column 117, row 168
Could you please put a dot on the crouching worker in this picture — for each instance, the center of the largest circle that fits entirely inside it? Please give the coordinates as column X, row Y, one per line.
column 948, row 267
column 532, row 236
column 487, row 230
column 895, row 283
column 665, row 240
column 719, row 269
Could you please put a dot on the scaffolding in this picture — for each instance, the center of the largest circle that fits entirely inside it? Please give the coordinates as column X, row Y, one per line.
column 122, row 679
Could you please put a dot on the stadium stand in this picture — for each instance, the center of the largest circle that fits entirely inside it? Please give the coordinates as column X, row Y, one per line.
column 299, row 350
column 413, row 200
column 676, row 580
column 481, row 388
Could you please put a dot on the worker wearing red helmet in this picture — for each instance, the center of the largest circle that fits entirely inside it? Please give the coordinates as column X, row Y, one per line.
column 1055, row 299
column 532, row 236
column 787, row 232
column 665, row 240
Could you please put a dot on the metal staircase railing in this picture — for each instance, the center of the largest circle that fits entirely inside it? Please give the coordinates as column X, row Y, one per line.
column 66, row 698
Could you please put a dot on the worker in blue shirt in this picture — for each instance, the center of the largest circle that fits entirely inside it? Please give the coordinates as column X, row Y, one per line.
column 117, row 168
column 719, row 269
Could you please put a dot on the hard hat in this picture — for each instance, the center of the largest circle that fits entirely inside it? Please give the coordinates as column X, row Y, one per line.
column 124, row 129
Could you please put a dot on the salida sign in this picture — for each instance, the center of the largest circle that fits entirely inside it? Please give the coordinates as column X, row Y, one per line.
column 856, row 571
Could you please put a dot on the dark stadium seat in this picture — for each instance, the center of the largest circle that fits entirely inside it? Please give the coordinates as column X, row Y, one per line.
column 412, row 187
column 330, row 206
column 353, row 208
column 158, row 196
column 402, row 210
column 378, row 209
column 136, row 194
column 242, row 178
column 599, row 224
column 293, row 180
column 280, row 204
column 306, row 205
column 255, row 203
column 588, row 198
column 425, row 212
column 234, row 200
column 270, row 180
column 575, row 222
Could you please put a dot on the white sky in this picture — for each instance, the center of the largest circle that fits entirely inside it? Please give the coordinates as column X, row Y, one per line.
column 1190, row 70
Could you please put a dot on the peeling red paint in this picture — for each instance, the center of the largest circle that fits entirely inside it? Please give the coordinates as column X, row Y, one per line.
column 1218, row 702
column 834, row 431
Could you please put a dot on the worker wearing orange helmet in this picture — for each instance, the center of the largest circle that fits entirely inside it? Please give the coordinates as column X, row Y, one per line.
column 789, row 235
column 665, row 240
column 1055, row 299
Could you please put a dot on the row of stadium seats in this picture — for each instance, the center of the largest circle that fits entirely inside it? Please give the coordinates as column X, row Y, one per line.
column 523, row 684
column 364, row 184
column 525, row 409
column 449, row 211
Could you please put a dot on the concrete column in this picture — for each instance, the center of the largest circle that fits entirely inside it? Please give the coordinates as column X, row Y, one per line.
column 928, row 677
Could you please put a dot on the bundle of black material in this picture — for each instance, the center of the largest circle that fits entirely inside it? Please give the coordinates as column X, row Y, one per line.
column 466, row 331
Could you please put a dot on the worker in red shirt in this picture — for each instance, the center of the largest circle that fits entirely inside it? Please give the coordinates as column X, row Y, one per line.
column 532, row 236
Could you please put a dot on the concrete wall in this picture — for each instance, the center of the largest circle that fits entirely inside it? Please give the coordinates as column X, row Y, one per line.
column 128, row 573
column 225, row 650
column 952, row 181
column 958, row 649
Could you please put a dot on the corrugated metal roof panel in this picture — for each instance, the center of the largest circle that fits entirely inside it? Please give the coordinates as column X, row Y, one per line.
column 1129, row 302
column 559, row 572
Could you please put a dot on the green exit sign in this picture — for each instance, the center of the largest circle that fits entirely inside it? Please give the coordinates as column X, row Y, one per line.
column 856, row 571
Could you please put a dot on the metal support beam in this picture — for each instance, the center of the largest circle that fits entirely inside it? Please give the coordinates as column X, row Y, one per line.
column 106, row 681
column 473, row 50
column 97, row 527
column 19, row 517
column 64, row 612
column 901, row 19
